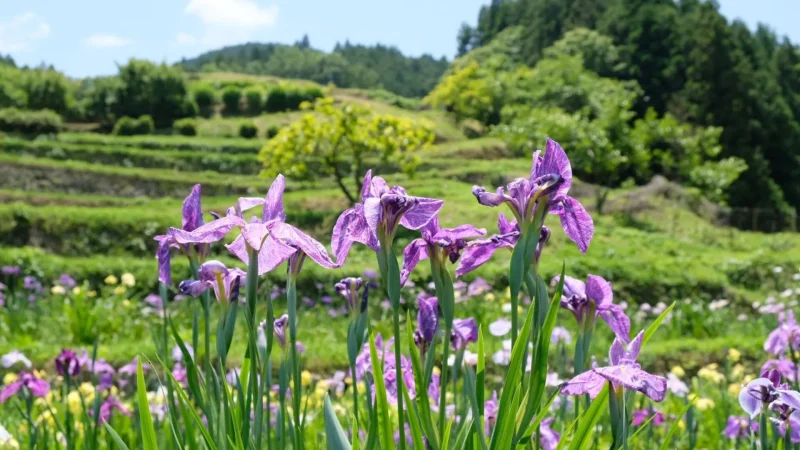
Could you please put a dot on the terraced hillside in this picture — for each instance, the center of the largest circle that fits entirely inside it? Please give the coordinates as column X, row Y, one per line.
column 90, row 205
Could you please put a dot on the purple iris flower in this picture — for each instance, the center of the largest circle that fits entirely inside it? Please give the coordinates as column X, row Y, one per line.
column 349, row 289
column 66, row 281
column 427, row 322
column 14, row 357
column 740, row 427
column 765, row 392
column 624, row 371
column 381, row 210
column 11, row 270
column 180, row 375
column 784, row 338
column 67, row 363
column 28, row 382
column 548, row 438
column 594, row 298
column 640, row 416
column 784, row 367
column 108, row 407
column 437, row 243
column 551, row 178
column 213, row 274
column 131, row 368
column 192, row 219
column 464, row 332
column 490, row 409
column 279, row 327
column 390, row 379
column 794, row 432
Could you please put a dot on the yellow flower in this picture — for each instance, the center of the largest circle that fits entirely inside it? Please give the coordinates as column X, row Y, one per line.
column 738, row 371
column 436, row 370
column 10, row 378
column 490, row 297
column 92, row 294
column 76, row 290
column 58, row 290
column 710, row 373
column 305, row 378
column 700, row 403
column 678, row 371
column 734, row 355
column 40, row 374
column 119, row 290
column 126, row 303
column 87, row 389
column 47, row 417
column 74, row 402
column 111, row 279
column 128, row 279
column 734, row 388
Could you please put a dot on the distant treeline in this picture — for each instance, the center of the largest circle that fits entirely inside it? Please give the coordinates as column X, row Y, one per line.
column 355, row 66
column 691, row 63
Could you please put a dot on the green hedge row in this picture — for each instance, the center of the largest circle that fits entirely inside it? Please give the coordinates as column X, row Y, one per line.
column 223, row 145
column 39, row 174
column 13, row 120
column 180, row 160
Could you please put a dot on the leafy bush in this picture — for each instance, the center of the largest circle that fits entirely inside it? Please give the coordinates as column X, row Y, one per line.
column 206, row 98
column 48, row 89
column 273, row 131
column 248, row 130
column 231, row 98
column 163, row 142
column 14, row 120
column 155, row 89
column 254, row 98
column 185, row 127
column 276, row 100
column 384, row 96
column 128, row 126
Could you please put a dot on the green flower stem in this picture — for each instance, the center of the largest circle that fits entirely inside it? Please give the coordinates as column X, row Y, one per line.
column 297, row 392
column 206, row 305
column 443, row 378
column 252, row 298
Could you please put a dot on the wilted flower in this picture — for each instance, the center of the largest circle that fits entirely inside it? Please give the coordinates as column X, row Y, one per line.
column 27, row 381
column 500, row 327
column 67, row 363
column 349, row 289
column 550, row 179
column 279, row 328
column 438, row 243
column 213, row 274
column 594, row 298
column 624, row 371
column 377, row 216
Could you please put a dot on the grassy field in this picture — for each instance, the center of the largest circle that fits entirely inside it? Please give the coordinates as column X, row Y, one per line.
column 90, row 205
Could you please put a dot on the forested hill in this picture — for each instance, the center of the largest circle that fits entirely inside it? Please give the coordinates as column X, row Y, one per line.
column 690, row 62
column 348, row 65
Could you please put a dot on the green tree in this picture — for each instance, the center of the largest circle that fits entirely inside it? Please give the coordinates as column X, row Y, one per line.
column 334, row 140
column 48, row 89
column 157, row 90
column 232, row 98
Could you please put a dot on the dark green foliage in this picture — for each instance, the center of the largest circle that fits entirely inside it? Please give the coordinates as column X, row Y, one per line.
column 390, row 98
column 254, row 100
column 147, row 88
column 128, row 126
column 97, row 97
column 206, row 98
column 14, row 120
column 166, row 143
column 347, row 66
column 273, row 131
column 185, row 127
column 248, row 130
column 232, row 99
column 48, row 89
column 289, row 98
column 276, row 100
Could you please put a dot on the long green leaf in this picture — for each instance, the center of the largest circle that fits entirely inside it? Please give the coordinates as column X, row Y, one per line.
column 333, row 429
column 588, row 420
column 413, row 420
column 381, row 402
column 197, row 420
column 538, row 420
column 149, row 441
column 422, row 396
column 665, row 445
column 651, row 330
column 117, row 440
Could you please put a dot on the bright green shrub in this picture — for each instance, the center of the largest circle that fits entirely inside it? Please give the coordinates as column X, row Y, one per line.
column 231, row 98
column 14, row 120
column 206, row 98
column 185, row 127
column 248, row 130
column 128, row 126
column 163, row 142
column 254, row 98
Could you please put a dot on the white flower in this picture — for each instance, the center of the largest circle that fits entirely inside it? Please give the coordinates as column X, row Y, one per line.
column 796, row 277
column 777, row 269
column 500, row 327
column 128, row 280
column 623, row 305
column 501, row 358
column 676, row 386
column 6, row 440
column 552, row 379
column 742, row 317
column 469, row 358
column 13, row 357
column 506, row 307
column 787, row 293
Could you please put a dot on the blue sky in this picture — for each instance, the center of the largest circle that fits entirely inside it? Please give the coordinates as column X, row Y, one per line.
column 88, row 37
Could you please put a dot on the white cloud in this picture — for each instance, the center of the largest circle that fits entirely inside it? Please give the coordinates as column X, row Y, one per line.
column 231, row 21
column 21, row 31
column 185, row 39
column 101, row 40
column 233, row 13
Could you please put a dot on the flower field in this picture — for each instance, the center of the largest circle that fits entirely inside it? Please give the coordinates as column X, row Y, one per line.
column 643, row 329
